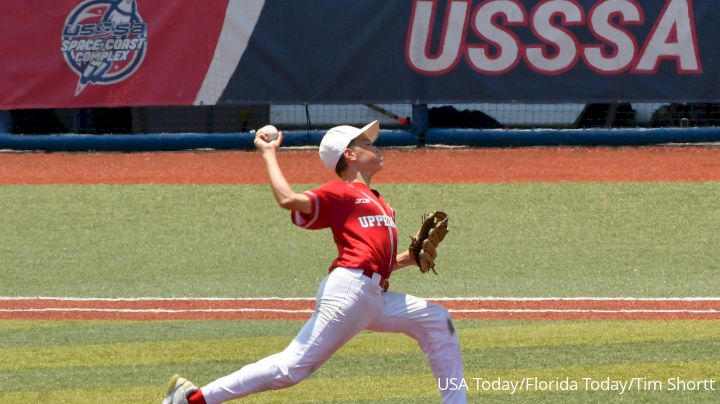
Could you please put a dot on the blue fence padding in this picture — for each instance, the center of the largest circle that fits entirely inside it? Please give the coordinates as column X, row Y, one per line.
column 387, row 138
column 569, row 137
column 154, row 142
column 453, row 137
column 172, row 142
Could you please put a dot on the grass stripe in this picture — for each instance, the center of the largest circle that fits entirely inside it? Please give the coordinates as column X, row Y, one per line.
column 139, row 353
column 422, row 386
column 54, row 333
column 102, row 395
column 587, row 332
column 483, row 333
column 371, row 361
column 245, row 349
column 340, row 389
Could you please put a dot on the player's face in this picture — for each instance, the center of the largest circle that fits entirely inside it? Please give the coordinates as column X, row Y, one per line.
column 369, row 158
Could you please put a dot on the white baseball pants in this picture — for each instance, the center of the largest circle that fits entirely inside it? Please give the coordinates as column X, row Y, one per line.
column 347, row 303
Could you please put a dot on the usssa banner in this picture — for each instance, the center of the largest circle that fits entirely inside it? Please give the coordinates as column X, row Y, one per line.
column 76, row 53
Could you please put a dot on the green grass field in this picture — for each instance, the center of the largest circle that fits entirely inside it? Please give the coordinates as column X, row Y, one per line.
column 655, row 240
column 535, row 240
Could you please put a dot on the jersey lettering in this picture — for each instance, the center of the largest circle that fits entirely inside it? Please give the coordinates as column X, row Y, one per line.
column 376, row 220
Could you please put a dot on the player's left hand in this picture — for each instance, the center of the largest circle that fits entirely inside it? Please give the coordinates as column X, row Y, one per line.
column 423, row 247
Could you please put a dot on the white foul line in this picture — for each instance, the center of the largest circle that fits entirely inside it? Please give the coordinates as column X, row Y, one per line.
column 91, row 310
column 599, row 311
column 437, row 299
column 308, row 311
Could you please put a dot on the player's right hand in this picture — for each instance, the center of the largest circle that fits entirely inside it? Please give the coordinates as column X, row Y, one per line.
column 262, row 143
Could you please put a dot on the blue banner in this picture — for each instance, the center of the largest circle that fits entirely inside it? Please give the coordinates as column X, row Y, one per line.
column 376, row 51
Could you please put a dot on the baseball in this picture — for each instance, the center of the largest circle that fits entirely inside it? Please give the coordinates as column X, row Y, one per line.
column 270, row 131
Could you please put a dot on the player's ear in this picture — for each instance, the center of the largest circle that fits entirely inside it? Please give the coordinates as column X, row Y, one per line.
column 348, row 154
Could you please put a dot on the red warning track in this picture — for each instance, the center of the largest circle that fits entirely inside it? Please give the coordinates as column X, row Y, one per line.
column 300, row 309
column 543, row 164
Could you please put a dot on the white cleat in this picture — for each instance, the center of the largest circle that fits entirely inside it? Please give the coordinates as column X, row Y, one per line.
column 178, row 390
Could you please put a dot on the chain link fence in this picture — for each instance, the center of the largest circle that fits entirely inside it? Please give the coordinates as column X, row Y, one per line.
column 234, row 119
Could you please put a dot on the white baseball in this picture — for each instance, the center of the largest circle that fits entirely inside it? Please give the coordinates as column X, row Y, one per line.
column 270, row 131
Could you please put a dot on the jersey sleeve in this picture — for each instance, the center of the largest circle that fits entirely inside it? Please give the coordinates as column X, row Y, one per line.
column 320, row 216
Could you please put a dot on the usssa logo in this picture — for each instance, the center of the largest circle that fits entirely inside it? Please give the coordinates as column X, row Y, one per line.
column 104, row 41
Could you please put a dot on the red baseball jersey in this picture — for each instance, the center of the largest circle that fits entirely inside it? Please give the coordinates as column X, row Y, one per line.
column 362, row 223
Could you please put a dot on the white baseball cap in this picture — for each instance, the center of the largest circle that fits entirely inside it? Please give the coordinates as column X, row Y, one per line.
column 337, row 139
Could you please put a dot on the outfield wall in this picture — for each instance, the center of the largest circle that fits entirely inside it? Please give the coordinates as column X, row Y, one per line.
column 126, row 53
column 388, row 138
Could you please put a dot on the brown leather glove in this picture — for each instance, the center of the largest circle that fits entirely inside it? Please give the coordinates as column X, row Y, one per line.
column 423, row 247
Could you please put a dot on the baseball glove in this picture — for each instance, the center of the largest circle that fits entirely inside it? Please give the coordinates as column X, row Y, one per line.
column 423, row 247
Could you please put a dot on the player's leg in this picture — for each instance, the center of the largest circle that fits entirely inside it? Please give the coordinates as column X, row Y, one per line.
column 346, row 304
column 431, row 326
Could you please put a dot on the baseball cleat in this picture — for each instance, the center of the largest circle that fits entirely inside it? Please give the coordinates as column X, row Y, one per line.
column 178, row 390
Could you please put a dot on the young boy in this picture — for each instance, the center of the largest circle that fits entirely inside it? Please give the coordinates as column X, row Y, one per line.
column 354, row 295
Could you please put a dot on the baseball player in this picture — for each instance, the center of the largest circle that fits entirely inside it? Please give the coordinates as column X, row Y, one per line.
column 354, row 296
